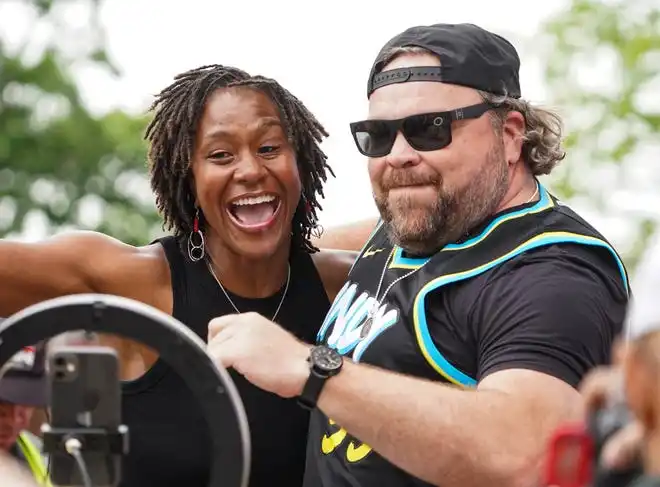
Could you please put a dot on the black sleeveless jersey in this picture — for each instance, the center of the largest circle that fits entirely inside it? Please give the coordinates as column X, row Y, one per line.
column 399, row 337
column 170, row 444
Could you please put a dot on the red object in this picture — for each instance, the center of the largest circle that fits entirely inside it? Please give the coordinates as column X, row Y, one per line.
column 196, row 224
column 570, row 457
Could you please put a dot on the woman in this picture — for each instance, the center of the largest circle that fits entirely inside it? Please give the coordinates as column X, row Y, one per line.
column 236, row 167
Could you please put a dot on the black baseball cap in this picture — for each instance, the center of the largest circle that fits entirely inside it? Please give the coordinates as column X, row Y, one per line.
column 24, row 381
column 469, row 56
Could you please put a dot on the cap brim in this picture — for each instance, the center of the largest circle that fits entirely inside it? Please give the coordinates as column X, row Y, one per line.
column 24, row 391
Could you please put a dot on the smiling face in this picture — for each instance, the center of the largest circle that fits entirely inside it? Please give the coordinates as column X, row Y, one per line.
column 430, row 198
column 246, row 179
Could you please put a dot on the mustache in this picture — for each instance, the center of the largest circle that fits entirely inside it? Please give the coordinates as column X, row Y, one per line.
column 399, row 178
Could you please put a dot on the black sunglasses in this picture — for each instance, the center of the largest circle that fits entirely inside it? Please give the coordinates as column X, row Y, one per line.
column 424, row 132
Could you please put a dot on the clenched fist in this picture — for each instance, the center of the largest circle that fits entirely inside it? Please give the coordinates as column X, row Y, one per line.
column 263, row 352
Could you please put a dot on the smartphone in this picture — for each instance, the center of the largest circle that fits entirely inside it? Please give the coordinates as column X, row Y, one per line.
column 85, row 393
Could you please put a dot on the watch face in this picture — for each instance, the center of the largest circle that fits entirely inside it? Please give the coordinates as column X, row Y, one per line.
column 326, row 358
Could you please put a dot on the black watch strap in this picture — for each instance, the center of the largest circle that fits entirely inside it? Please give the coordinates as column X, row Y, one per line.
column 312, row 390
column 324, row 362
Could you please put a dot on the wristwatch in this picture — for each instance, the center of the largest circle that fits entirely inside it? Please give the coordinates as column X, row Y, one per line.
column 325, row 362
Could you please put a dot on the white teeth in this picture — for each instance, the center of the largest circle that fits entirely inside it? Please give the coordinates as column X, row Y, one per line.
column 254, row 201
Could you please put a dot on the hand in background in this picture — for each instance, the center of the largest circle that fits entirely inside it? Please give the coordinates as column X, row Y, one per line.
column 603, row 386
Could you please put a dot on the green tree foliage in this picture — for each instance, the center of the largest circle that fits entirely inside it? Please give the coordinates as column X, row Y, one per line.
column 57, row 158
column 602, row 65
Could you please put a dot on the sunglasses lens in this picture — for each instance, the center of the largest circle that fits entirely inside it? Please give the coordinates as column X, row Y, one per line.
column 427, row 132
column 374, row 138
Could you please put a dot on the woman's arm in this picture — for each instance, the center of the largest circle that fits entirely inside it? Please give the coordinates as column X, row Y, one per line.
column 75, row 263
column 340, row 247
column 85, row 262
column 351, row 236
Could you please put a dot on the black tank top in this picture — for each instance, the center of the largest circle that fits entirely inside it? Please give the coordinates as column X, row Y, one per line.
column 170, row 444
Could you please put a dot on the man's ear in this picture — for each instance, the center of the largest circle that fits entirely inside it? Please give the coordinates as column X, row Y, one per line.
column 513, row 131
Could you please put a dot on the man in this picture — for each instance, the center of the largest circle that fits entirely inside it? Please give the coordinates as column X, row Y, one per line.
column 22, row 389
column 476, row 306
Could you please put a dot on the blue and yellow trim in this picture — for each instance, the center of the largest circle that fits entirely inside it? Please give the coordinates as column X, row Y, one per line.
column 400, row 262
column 433, row 356
column 545, row 202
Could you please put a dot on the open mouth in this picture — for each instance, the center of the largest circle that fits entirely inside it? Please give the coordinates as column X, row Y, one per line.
column 255, row 212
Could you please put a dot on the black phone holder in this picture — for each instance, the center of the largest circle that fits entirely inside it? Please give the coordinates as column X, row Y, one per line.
column 93, row 440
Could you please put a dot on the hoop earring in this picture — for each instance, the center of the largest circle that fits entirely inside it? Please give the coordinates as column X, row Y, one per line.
column 196, row 250
column 317, row 231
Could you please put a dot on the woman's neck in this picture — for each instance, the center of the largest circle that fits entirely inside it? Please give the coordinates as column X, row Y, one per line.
column 247, row 277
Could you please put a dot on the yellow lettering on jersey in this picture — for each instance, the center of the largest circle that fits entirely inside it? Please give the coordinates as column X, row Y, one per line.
column 330, row 443
column 353, row 453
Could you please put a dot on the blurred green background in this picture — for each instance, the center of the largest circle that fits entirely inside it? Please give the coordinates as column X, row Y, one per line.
column 56, row 156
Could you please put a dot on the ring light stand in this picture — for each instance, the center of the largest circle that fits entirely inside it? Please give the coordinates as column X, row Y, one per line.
column 178, row 346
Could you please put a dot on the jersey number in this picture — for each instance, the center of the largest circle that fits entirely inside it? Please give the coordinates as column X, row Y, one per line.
column 354, row 453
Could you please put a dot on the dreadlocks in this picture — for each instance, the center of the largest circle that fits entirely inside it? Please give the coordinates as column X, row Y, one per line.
column 171, row 134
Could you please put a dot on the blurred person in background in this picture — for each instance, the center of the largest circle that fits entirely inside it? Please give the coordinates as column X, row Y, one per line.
column 636, row 376
column 476, row 307
column 236, row 167
column 23, row 388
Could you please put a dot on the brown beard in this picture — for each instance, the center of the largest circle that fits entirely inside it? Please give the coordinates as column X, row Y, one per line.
column 425, row 230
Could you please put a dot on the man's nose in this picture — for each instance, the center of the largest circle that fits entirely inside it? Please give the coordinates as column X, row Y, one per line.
column 402, row 153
